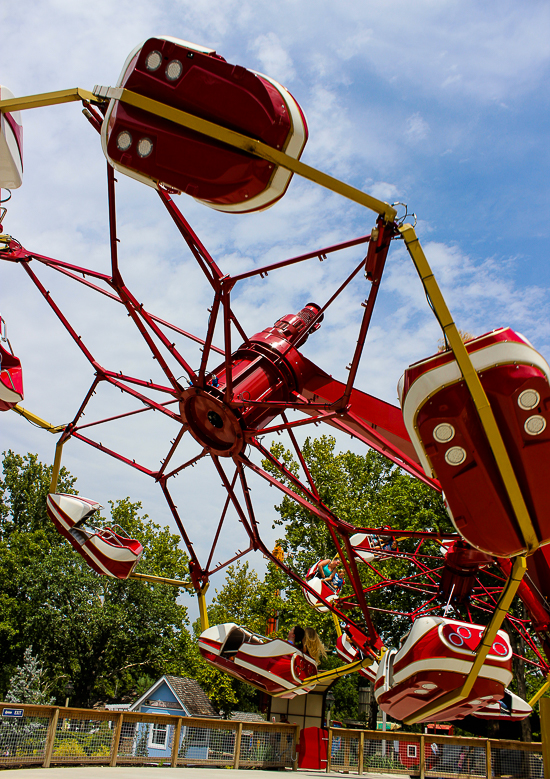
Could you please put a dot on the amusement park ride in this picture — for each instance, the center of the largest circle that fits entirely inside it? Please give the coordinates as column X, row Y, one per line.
column 472, row 423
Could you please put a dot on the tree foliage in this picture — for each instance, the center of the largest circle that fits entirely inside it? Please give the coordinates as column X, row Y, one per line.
column 366, row 491
column 100, row 633
column 28, row 684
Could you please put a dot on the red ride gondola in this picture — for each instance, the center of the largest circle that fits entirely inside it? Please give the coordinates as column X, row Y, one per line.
column 462, row 566
column 270, row 665
column 445, row 429
column 195, row 79
column 107, row 552
column 11, row 373
column 368, row 546
column 434, row 659
column 349, row 653
column 325, row 590
column 510, row 707
column 11, row 145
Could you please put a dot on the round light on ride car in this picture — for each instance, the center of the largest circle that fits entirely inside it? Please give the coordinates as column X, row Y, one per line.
column 144, row 147
column 153, row 60
column 421, row 692
column 173, row 70
column 455, row 455
column 535, row 425
column 429, row 686
column 528, row 399
column 124, row 140
column 444, row 432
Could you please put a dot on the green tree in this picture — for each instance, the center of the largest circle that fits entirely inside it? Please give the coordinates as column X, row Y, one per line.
column 28, row 684
column 101, row 633
column 366, row 491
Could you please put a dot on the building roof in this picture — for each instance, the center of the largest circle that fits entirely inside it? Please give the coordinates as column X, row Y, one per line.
column 188, row 693
column 246, row 716
column 193, row 697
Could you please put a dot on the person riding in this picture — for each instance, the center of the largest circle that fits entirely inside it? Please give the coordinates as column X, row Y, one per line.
column 296, row 636
column 313, row 646
column 327, row 571
column 307, row 641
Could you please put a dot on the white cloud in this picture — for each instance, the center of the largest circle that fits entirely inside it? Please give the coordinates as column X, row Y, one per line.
column 417, row 128
column 274, row 58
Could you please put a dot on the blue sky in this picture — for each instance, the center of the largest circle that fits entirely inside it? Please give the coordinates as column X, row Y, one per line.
column 442, row 105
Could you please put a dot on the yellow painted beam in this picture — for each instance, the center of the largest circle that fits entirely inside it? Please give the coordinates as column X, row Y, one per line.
column 475, row 388
column 256, row 148
column 38, row 421
column 56, row 466
column 46, row 99
column 336, row 624
column 330, row 675
column 489, row 635
column 212, row 130
column 502, row 608
column 536, row 697
column 202, row 608
column 144, row 577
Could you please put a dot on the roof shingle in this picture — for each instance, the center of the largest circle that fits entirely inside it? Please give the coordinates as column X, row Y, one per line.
column 192, row 696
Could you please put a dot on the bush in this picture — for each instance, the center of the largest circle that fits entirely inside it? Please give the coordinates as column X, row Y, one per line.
column 102, row 751
column 69, row 747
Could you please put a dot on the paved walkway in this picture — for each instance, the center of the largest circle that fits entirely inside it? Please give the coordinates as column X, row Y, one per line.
column 148, row 772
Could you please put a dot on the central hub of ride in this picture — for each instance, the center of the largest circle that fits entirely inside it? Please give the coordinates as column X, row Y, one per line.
column 263, row 373
column 211, row 422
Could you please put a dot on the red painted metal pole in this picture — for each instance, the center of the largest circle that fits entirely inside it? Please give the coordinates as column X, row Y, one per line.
column 319, row 254
column 376, row 257
column 209, row 336
column 222, row 519
column 206, row 262
column 76, row 338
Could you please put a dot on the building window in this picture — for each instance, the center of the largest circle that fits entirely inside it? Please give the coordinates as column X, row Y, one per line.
column 411, row 750
column 158, row 736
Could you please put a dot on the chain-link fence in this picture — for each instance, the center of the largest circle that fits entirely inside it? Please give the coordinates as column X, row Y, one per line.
column 444, row 757
column 45, row 735
column 23, row 739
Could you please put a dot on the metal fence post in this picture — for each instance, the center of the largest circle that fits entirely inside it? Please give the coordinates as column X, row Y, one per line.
column 116, row 739
column 545, row 733
column 295, row 747
column 346, row 743
column 488, row 765
column 176, row 744
column 238, row 737
column 361, row 755
column 50, row 739
column 422, row 758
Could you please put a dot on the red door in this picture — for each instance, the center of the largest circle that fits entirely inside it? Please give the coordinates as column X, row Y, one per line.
column 313, row 748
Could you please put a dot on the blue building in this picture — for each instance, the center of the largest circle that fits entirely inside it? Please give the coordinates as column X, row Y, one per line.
column 180, row 697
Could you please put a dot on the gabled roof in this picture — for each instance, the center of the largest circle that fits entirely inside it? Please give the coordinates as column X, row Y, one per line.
column 246, row 716
column 190, row 693
column 187, row 692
